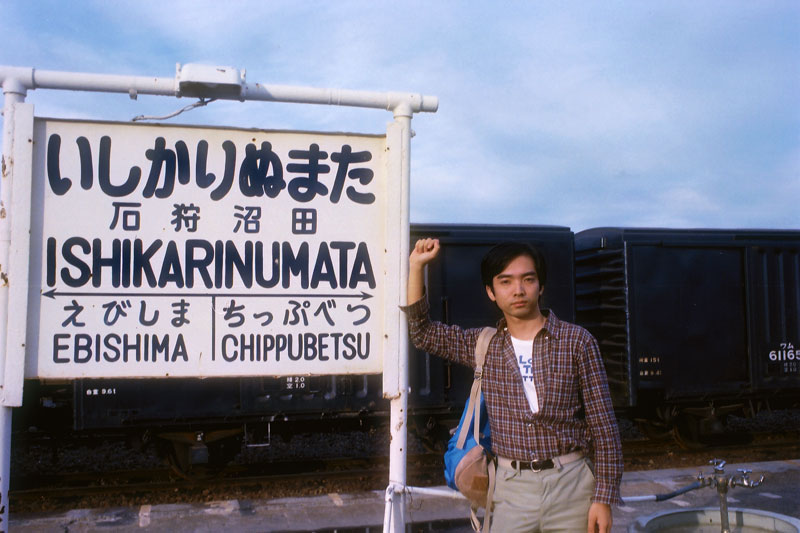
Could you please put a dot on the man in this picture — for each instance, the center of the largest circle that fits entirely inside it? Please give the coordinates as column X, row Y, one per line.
column 546, row 392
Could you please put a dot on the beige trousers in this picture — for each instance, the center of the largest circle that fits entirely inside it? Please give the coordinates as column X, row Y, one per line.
column 543, row 502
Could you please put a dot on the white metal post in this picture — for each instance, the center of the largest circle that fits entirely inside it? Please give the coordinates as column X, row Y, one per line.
column 14, row 92
column 398, row 448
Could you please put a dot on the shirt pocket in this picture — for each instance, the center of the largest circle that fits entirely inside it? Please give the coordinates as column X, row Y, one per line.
column 563, row 392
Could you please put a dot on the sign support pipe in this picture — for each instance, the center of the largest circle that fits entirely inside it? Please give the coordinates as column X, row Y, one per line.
column 31, row 78
column 13, row 92
column 394, row 516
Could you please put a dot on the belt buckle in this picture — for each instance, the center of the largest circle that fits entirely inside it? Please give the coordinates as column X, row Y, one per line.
column 533, row 466
column 543, row 464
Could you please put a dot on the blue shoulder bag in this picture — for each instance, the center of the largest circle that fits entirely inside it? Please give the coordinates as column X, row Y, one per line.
column 468, row 467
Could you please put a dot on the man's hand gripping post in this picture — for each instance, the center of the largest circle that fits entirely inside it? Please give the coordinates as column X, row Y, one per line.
column 424, row 251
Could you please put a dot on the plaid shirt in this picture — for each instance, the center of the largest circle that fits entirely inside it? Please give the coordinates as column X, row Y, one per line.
column 567, row 367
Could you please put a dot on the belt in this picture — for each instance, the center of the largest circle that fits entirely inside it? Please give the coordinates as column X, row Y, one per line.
column 538, row 466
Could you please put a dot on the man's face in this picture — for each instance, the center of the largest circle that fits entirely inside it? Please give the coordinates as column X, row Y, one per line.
column 516, row 289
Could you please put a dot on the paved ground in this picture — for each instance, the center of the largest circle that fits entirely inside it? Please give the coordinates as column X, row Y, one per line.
column 780, row 493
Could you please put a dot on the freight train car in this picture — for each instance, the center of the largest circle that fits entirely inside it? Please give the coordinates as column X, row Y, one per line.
column 206, row 421
column 693, row 324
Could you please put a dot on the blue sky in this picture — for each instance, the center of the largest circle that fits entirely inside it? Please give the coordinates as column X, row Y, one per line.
column 578, row 114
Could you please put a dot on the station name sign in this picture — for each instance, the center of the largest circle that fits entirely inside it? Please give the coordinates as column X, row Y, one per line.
column 185, row 251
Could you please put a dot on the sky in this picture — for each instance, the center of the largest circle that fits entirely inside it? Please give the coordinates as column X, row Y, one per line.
column 678, row 114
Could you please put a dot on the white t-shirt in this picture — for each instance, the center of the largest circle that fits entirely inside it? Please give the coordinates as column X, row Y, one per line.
column 524, row 353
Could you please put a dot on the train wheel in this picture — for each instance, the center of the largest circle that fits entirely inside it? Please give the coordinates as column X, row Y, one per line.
column 687, row 432
column 694, row 431
column 200, row 454
column 432, row 435
column 179, row 457
column 654, row 430
column 223, row 451
column 434, row 444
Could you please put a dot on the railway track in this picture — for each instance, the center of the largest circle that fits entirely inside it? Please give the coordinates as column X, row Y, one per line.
column 53, row 491
column 734, row 448
column 270, row 480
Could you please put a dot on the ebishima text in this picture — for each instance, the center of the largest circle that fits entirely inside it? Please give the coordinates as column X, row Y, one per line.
column 83, row 348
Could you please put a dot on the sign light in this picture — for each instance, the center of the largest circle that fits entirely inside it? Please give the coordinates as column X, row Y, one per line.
column 205, row 81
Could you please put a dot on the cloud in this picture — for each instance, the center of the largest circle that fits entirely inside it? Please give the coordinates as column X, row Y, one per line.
column 581, row 114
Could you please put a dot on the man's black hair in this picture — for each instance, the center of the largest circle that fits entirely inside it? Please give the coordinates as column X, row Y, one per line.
column 498, row 258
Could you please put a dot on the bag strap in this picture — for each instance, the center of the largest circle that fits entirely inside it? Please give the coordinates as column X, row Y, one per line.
column 487, row 516
column 473, row 411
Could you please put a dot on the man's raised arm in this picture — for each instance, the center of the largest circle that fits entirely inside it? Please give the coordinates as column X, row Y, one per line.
column 424, row 251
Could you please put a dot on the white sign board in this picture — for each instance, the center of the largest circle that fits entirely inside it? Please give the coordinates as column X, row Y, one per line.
column 183, row 251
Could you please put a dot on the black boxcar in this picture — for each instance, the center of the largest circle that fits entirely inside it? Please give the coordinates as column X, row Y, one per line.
column 693, row 324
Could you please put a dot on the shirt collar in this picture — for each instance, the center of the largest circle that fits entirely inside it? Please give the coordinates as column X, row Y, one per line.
column 552, row 324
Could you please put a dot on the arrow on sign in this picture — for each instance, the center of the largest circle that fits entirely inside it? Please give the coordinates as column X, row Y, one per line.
column 53, row 293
